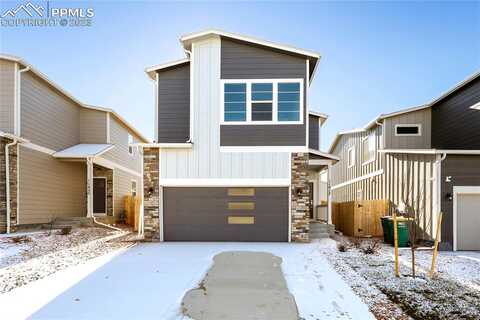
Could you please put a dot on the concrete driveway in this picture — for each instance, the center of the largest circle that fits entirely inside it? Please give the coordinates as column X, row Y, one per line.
column 149, row 281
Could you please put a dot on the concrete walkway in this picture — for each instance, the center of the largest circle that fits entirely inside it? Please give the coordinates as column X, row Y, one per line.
column 242, row 285
column 149, row 281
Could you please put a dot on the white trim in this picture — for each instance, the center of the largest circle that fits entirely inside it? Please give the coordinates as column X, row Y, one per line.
column 192, row 91
column 317, row 114
column 367, row 176
column 60, row 155
column 155, row 87
column 476, row 106
column 404, row 125
column 185, row 39
column 248, row 83
column 324, row 154
column 430, row 151
column 113, row 165
column 456, row 87
column 289, row 175
column 150, row 70
column 318, row 162
column 160, row 199
column 89, row 164
column 130, row 145
column 108, row 127
column 18, row 183
column 367, row 138
column 456, row 191
column 307, row 114
column 224, row 182
column 264, row 149
column 36, row 147
column 106, row 204
column 186, row 145
column 354, row 158
column 16, row 102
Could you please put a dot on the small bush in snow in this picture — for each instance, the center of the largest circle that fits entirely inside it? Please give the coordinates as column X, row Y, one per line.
column 356, row 242
column 65, row 231
column 372, row 247
column 20, row 239
column 343, row 246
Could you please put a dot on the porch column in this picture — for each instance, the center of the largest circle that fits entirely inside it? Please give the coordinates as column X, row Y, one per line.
column 330, row 197
column 89, row 187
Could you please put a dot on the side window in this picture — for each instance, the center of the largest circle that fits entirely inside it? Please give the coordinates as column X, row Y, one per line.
column 134, row 188
column 235, row 97
column 369, row 147
column 408, row 130
column 351, row 157
column 288, row 101
column 130, row 142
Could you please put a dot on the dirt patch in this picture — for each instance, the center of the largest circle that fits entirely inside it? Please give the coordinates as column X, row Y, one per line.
column 242, row 285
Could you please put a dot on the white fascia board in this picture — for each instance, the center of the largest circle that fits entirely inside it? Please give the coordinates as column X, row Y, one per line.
column 13, row 137
column 456, row 87
column 264, row 149
column 185, row 39
column 224, row 182
column 324, row 154
column 367, row 176
column 430, row 151
column 164, row 145
column 151, row 70
column 320, row 162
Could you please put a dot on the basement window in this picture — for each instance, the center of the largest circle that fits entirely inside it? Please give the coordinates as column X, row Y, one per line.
column 408, row 130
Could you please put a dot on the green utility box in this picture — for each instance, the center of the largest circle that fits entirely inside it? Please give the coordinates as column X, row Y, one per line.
column 402, row 230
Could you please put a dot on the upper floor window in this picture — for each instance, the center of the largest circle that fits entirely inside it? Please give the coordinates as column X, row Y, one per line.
column 351, row 157
column 369, row 147
column 130, row 144
column 406, row 130
column 274, row 101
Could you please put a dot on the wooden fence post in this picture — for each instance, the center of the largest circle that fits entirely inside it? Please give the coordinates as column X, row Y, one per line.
column 395, row 242
column 435, row 248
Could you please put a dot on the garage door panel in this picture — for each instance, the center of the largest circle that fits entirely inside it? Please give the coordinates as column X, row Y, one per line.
column 201, row 214
column 468, row 221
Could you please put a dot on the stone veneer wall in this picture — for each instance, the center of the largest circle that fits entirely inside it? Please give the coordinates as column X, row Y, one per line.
column 300, row 196
column 13, row 187
column 99, row 171
column 151, row 194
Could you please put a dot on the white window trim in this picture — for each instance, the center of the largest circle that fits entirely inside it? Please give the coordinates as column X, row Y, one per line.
column 130, row 145
column 131, row 187
column 419, row 126
column 348, row 157
column 457, row 190
column 249, row 82
column 364, row 163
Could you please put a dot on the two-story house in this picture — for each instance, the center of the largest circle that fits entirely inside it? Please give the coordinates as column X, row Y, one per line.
column 235, row 142
column 60, row 158
column 426, row 156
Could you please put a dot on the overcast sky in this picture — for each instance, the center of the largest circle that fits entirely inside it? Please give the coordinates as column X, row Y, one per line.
column 376, row 57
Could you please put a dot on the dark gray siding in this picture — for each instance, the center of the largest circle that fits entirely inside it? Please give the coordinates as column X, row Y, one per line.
column 464, row 170
column 246, row 61
column 174, row 104
column 454, row 124
column 313, row 132
column 201, row 214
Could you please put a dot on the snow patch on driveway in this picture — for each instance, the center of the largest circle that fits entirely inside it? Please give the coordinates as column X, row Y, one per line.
column 149, row 281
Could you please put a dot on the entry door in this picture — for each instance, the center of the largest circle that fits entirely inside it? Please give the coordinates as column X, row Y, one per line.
column 100, row 195
column 310, row 200
column 468, row 220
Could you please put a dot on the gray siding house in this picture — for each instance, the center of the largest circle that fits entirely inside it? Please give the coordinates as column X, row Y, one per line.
column 428, row 154
column 60, row 158
column 236, row 154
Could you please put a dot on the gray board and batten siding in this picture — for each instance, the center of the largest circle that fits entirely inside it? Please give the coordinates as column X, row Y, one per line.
column 247, row 61
column 313, row 132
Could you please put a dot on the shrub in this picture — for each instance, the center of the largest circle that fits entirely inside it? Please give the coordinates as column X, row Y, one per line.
column 343, row 246
column 372, row 247
column 65, row 230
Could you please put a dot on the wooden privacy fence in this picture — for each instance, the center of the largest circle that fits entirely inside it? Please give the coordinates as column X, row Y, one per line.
column 360, row 218
column 132, row 211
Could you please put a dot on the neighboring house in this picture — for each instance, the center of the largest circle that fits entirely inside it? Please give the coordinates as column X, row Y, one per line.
column 427, row 155
column 65, row 158
column 236, row 144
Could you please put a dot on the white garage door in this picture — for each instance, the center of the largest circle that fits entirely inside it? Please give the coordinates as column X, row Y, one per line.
column 468, row 221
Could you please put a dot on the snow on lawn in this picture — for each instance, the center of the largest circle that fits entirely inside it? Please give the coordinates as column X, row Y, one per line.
column 31, row 256
column 453, row 294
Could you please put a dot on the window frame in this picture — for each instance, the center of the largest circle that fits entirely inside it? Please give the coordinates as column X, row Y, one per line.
column 249, row 101
column 348, row 157
column 404, row 125
column 371, row 135
column 129, row 144
column 132, row 190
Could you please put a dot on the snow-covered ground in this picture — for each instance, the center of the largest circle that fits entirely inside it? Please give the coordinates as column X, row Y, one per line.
column 453, row 294
column 148, row 281
column 28, row 257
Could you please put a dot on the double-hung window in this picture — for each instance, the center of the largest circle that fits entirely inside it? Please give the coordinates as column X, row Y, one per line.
column 369, row 147
column 274, row 101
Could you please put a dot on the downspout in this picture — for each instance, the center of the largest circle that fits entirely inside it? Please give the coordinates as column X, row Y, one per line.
column 381, row 124
column 7, row 179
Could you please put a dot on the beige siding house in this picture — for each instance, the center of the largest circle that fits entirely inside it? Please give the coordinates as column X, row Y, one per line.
column 65, row 158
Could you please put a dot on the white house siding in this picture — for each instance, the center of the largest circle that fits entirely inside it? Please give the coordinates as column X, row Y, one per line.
column 50, row 188
column 119, row 154
column 7, row 95
column 204, row 160
column 123, row 187
column 405, row 177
